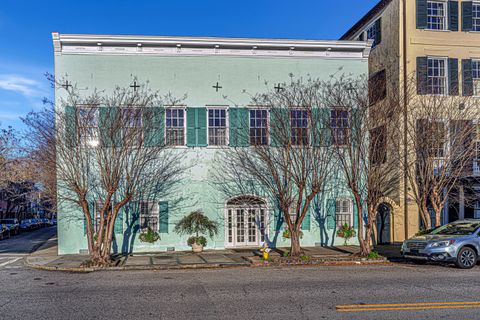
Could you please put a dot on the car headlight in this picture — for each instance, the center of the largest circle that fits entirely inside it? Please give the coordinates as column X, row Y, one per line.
column 441, row 244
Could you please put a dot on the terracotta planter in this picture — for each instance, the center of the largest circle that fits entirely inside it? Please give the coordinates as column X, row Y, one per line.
column 197, row 248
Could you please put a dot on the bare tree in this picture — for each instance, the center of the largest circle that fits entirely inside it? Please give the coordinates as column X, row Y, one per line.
column 441, row 134
column 361, row 143
column 290, row 161
column 111, row 148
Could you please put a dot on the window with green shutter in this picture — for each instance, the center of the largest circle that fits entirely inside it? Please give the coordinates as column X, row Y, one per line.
column 467, row 77
column 280, row 127
column 453, row 15
column 306, row 222
column 453, row 77
column 330, row 214
column 154, row 126
column 118, row 225
column 467, row 15
column 163, row 217
column 422, row 79
column 196, row 127
column 238, row 125
column 421, row 14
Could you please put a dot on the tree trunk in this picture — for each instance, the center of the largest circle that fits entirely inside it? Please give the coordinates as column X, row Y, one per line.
column 425, row 214
column 295, row 249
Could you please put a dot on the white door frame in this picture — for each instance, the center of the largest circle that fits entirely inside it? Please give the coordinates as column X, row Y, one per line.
column 246, row 209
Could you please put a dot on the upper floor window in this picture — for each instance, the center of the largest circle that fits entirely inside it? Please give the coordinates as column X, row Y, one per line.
column 217, row 127
column 476, row 16
column 437, row 76
column 88, row 131
column 340, row 125
column 377, row 87
column 149, row 212
column 299, row 127
column 378, row 145
column 258, row 127
column 437, row 15
column 175, row 126
column 374, row 32
column 132, row 125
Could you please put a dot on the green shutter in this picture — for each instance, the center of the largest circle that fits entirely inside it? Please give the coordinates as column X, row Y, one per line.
column 278, row 218
column 355, row 214
column 378, row 31
column 239, row 127
column 118, row 225
column 163, row 217
column 197, row 127
column 453, row 76
column 331, row 216
column 421, row 14
column 306, row 222
column 422, row 78
column 70, row 126
column 453, row 15
column 320, row 127
column 154, row 126
column 110, row 130
column 280, row 127
column 467, row 15
column 467, row 77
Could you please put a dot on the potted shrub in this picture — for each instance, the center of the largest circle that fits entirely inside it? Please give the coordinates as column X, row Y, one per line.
column 196, row 224
column 346, row 232
column 149, row 236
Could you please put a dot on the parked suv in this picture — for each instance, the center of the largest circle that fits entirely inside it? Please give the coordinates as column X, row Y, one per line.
column 12, row 225
column 4, row 231
column 457, row 242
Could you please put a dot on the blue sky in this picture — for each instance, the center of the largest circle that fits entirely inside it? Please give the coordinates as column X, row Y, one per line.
column 26, row 52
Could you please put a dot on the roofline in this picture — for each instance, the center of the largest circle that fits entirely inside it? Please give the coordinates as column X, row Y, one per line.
column 208, row 42
column 366, row 18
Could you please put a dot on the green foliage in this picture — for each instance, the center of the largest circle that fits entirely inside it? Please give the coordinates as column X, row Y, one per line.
column 423, row 232
column 373, row 255
column 286, row 253
column 198, row 240
column 346, row 232
column 150, row 236
column 305, row 258
column 286, row 234
column 197, row 223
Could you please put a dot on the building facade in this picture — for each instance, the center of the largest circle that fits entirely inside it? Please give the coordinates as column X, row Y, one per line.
column 438, row 42
column 218, row 77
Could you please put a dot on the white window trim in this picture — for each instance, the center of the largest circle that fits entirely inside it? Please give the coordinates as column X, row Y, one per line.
column 447, row 76
column 478, row 4
column 350, row 209
column 309, row 127
column 155, row 204
column 268, row 123
column 124, row 108
column 227, row 126
column 372, row 25
column 184, row 108
column 83, row 107
column 445, row 29
column 475, row 94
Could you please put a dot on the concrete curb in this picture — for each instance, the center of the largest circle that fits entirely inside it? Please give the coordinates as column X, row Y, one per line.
column 355, row 262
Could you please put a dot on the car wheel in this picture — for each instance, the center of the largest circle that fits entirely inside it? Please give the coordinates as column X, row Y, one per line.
column 466, row 258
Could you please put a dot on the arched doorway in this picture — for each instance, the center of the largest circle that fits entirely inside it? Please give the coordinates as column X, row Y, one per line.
column 245, row 222
column 384, row 214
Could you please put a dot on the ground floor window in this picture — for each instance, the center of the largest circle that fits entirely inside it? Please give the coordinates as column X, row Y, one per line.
column 149, row 211
column 98, row 206
column 343, row 212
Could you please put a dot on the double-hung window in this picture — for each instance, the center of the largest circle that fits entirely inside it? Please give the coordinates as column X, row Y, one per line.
column 476, row 77
column 258, row 127
column 175, row 126
column 437, row 15
column 343, row 212
column 437, row 139
column 476, row 16
column 98, row 206
column 149, row 211
column 132, row 125
column 217, row 127
column 299, row 121
column 437, row 76
column 340, row 126
column 88, row 131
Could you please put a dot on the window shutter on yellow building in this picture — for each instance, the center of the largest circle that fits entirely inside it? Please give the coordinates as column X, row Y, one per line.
column 467, row 85
column 453, row 15
column 421, row 14
column 467, row 15
column 453, row 76
column 422, row 75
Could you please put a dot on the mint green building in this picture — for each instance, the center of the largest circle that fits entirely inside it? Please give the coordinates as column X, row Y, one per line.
column 219, row 76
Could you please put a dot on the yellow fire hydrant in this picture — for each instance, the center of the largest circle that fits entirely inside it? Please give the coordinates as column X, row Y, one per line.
column 265, row 250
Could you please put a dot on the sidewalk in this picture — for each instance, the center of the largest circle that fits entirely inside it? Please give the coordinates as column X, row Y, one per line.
column 46, row 258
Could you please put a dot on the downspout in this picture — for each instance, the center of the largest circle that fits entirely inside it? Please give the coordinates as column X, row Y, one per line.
column 405, row 119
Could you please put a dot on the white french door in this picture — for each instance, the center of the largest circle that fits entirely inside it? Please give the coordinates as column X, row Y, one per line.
column 245, row 227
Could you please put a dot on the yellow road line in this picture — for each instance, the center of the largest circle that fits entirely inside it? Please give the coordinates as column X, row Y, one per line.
column 410, row 308
column 352, row 306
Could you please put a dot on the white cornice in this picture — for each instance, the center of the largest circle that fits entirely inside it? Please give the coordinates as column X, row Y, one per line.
column 158, row 45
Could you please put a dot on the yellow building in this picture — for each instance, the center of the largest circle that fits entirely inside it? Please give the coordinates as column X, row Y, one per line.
column 438, row 41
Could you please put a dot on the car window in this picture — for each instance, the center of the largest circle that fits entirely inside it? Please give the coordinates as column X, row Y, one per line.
column 462, row 229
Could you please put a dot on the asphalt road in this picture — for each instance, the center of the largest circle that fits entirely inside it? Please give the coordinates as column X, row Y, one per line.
column 242, row 293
